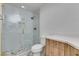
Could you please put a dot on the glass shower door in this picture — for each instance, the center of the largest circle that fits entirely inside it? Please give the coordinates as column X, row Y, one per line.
column 17, row 29
column 27, row 29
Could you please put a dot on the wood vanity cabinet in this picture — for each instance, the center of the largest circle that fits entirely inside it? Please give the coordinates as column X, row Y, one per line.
column 74, row 51
column 56, row 48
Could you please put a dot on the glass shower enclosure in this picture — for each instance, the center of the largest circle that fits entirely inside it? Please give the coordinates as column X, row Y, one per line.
column 17, row 28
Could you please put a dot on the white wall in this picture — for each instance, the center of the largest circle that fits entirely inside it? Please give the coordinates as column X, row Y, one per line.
column 60, row 19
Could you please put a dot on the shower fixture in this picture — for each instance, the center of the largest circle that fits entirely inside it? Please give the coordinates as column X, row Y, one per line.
column 32, row 18
column 35, row 28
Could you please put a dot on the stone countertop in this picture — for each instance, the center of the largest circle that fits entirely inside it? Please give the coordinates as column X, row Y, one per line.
column 71, row 41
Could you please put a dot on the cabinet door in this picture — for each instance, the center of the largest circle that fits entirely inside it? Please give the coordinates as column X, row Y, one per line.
column 67, row 49
column 74, row 52
column 51, row 47
column 55, row 47
column 47, row 48
column 61, row 49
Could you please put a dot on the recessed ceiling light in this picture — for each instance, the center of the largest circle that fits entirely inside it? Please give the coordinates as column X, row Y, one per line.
column 22, row 7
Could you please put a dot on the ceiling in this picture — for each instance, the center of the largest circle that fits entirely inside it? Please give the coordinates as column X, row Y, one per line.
column 34, row 7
